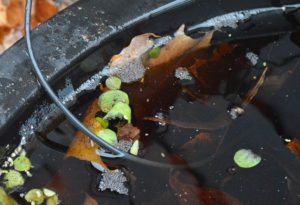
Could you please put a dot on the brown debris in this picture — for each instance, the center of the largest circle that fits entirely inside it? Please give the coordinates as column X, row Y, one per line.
column 127, row 132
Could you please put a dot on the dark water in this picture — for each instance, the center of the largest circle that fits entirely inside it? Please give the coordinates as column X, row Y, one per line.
column 224, row 80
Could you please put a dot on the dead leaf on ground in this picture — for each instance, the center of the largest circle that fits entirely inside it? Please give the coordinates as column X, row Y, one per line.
column 294, row 146
column 12, row 18
column 82, row 147
column 191, row 194
column 178, row 46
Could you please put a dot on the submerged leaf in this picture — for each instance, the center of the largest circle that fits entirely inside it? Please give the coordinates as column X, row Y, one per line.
column 108, row 135
column 89, row 200
column 245, row 158
column 113, row 83
column 82, row 147
column 35, row 195
column 128, row 132
column 13, row 179
column 5, row 199
column 201, row 137
column 294, row 146
column 108, row 99
column 191, row 194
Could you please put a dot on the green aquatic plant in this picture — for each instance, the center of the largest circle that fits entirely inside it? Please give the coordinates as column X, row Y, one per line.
column 103, row 123
column 5, row 199
column 108, row 99
column 245, row 158
column 154, row 52
column 22, row 163
column 135, row 148
column 108, row 135
column 113, row 83
column 35, row 196
column 119, row 111
column 12, row 179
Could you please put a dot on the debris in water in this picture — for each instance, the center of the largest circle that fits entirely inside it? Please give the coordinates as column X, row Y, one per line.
column 183, row 74
column 235, row 112
column 160, row 116
column 252, row 57
column 114, row 181
column 35, row 196
column 245, row 158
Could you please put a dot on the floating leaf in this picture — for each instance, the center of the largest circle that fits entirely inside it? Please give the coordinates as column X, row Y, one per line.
column 113, row 83
column 12, row 179
column 48, row 192
column 52, row 200
column 245, row 158
column 128, row 64
column 119, row 111
column 175, row 47
column 35, row 195
column 5, row 199
column 108, row 135
column 103, row 123
column 154, row 52
column 191, row 194
column 22, row 163
column 82, row 147
column 135, row 148
column 108, row 99
column 294, row 146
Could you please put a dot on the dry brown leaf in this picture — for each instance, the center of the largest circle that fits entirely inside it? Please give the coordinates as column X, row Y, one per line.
column 82, row 147
column 89, row 200
column 178, row 46
column 138, row 46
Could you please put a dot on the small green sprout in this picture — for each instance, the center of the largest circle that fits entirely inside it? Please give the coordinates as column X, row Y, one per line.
column 154, row 52
column 5, row 199
column 113, row 83
column 108, row 99
column 245, row 158
column 35, row 196
column 135, row 148
column 103, row 123
column 12, row 179
column 108, row 135
column 48, row 193
column 119, row 111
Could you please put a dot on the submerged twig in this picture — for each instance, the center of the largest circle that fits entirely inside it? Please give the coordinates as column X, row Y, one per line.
column 251, row 94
